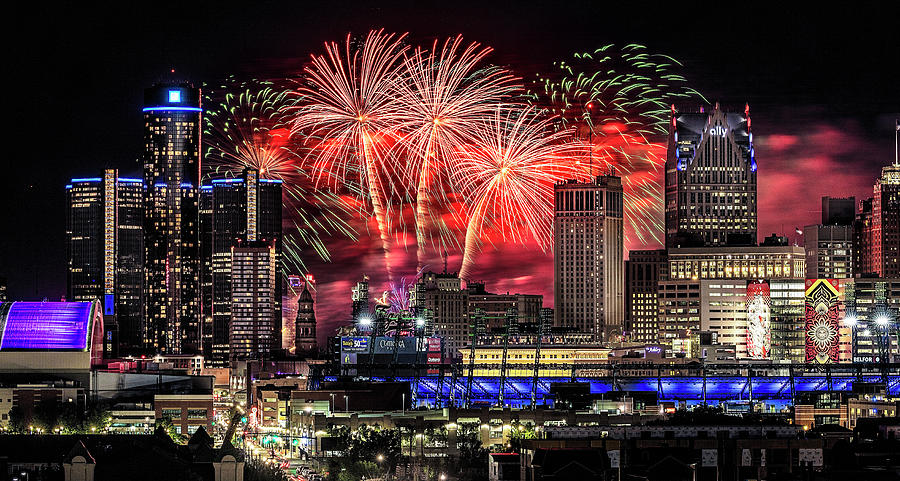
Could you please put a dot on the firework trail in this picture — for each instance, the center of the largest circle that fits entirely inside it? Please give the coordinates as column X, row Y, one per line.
column 398, row 297
column 445, row 96
column 507, row 178
column 617, row 99
column 350, row 112
column 247, row 127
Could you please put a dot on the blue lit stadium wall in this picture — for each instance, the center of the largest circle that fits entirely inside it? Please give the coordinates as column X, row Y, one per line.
column 433, row 390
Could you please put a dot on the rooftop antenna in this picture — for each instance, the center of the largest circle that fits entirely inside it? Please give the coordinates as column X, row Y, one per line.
column 896, row 130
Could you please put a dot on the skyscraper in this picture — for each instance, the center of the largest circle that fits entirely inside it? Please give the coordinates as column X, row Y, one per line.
column 171, row 219
column 863, row 259
column 886, row 222
column 254, row 309
column 290, row 296
column 710, row 194
column 829, row 251
column 443, row 303
column 305, row 327
column 104, row 247
column 360, row 298
column 243, row 210
column 877, row 228
column 705, row 288
column 643, row 271
column 829, row 245
column 589, row 274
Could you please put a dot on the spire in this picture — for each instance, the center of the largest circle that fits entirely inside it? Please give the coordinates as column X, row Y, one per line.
column 305, row 296
column 896, row 133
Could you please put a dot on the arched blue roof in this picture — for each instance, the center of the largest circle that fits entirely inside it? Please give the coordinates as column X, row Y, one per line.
column 47, row 325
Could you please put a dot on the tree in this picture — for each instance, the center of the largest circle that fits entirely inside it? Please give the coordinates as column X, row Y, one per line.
column 472, row 457
column 17, row 422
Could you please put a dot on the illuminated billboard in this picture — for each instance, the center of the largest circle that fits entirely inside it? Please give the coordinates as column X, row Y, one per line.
column 355, row 344
column 759, row 331
column 822, row 320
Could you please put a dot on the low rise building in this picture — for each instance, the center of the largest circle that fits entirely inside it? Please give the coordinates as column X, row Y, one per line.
column 186, row 411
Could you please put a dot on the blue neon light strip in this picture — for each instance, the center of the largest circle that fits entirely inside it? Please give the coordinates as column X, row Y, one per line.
column 88, row 179
column 68, row 186
column 271, row 181
column 227, row 181
column 131, row 181
column 206, row 187
column 185, row 109
column 517, row 390
column 47, row 325
column 185, row 185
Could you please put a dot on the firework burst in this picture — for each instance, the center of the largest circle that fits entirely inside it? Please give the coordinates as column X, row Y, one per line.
column 444, row 98
column 247, row 127
column 350, row 113
column 617, row 99
column 507, row 178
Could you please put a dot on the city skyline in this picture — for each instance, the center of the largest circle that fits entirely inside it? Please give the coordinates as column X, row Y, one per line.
column 834, row 137
column 451, row 241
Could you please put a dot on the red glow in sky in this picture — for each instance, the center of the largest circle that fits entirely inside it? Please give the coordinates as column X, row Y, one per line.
column 799, row 163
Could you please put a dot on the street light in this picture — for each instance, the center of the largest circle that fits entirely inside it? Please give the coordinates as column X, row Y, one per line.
column 850, row 321
column 882, row 321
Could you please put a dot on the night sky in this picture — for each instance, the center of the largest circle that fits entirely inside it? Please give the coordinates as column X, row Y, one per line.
column 822, row 84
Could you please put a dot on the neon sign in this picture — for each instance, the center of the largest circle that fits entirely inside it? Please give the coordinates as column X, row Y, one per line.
column 718, row 130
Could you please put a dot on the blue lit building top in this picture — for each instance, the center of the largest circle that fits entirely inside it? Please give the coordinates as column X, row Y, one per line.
column 172, row 97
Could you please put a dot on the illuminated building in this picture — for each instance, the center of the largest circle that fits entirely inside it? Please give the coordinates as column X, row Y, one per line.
column 685, row 296
column 878, row 235
column 723, row 310
column 643, row 271
column 360, row 298
column 58, row 338
column 865, row 301
column 829, row 251
column 863, row 260
column 589, row 267
column 710, row 180
column 556, row 360
column 305, row 324
column 105, row 252
column 787, row 319
column 751, row 262
column 827, row 339
column 206, row 272
column 171, row 218
column 243, row 210
column 254, row 310
column 444, row 304
column 290, row 296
